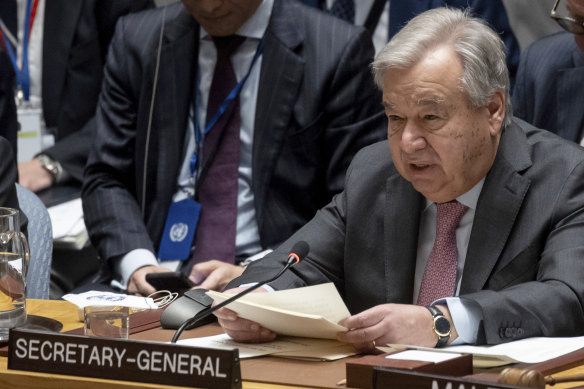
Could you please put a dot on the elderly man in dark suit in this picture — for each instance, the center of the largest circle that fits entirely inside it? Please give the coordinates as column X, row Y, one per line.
column 471, row 220
column 306, row 104
column 550, row 82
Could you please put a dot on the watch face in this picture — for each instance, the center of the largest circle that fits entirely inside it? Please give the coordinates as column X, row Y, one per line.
column 442, row 326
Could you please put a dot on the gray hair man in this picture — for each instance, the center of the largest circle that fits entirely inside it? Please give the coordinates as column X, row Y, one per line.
column 468, row 230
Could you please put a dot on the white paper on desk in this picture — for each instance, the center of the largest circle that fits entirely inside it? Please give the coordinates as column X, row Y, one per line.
column 312, row 311
column 284, row 346
column 67, row 219
column 530, row 350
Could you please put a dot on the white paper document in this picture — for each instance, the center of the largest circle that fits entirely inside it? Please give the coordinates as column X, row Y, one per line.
column 530, row 350
column 68, row 224
column 422, row 355
column 312, row 311
column 321, row 349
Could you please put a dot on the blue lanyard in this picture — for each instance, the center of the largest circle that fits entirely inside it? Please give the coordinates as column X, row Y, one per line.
column 199, row 137
column 22, row 77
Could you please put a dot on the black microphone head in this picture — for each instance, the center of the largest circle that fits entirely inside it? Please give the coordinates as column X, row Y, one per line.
column 301, row 249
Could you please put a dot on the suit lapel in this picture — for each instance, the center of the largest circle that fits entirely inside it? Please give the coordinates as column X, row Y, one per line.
column 276, row 98
column 61, row 18
column 401, row 238
column 498, row 205
column 174, row 93
column 571, row 99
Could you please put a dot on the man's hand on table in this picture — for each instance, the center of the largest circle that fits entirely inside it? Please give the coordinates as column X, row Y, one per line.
column 392, row 323
column 137, row 283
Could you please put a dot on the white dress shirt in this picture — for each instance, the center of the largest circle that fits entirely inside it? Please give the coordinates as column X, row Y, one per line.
column 35, row 49
column 465, row 315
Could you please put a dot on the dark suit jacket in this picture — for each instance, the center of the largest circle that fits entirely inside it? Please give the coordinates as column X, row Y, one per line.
column 8, row 123
column 524, row 264
column 492, row 11
column 75, row 41
column 316, row 106
column 8, row 175
column 549, row 87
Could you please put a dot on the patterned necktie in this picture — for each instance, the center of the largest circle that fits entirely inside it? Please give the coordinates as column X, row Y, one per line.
column 439, row 278
column 215, row 236
column 344, row 9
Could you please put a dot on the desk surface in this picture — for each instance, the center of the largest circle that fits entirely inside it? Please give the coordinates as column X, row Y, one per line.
column 321, row 374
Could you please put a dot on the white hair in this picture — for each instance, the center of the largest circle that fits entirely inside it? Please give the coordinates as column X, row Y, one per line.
column 479, row 48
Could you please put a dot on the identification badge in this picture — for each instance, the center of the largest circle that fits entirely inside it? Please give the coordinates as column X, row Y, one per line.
column 29, row 133
column 179, row 230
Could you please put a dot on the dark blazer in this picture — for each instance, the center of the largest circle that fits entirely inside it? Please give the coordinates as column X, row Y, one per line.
column 8, row 175
column 549, row 89
column 493, row 11
column 524, row 265
column 8, row 123
column 75, row 40
column 316, row 106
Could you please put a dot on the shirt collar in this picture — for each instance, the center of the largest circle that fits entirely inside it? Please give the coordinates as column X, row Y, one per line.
column 470, row 198
column 255, row 26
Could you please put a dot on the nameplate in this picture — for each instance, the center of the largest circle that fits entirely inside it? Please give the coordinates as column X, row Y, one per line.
column 126, row 360
column 385, row 378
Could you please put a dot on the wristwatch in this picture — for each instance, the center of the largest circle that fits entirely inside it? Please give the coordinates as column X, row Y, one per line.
column 51, row 166
column 440, row 325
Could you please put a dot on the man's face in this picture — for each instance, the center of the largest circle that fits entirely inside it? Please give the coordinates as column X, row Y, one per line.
column 439, row 142
column 576, row 9
column 221, row 17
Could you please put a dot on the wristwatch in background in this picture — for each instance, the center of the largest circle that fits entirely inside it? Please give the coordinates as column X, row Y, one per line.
column 52, row 166
column 440, row 325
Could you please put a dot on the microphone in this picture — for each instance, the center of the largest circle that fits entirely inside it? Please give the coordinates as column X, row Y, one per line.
column 297, row 253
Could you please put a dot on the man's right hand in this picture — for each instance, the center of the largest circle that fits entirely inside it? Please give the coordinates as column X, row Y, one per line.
column 33, row 176
column 242, row 330
column 137, row 283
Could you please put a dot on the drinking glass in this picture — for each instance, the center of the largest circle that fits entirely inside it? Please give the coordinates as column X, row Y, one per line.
column 14, row 256
column 107, row 321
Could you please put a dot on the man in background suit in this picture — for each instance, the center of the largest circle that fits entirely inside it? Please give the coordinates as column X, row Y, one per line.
column 549, row 92
column 384, row 18
column 472, row 215
column 8, row 177
column 309, row 104
column 71, row 43
column 8, row 123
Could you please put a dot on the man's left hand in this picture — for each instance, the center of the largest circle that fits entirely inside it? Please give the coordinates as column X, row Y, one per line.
column 214, row 274
column 392, row 323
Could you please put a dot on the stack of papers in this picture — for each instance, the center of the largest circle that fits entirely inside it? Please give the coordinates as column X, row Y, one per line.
column 287, row 347
column 311, row 312
column 530, row 350
column 68, row 226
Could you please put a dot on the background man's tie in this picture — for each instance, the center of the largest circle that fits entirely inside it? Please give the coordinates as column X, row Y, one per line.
column 439, row 278
column 344, row 9
column 215, row 236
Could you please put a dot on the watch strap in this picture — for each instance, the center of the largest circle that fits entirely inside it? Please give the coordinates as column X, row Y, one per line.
column 437, row 315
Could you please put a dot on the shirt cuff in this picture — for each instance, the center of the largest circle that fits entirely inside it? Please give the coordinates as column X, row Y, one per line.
column 128, row 264
column 466, row 317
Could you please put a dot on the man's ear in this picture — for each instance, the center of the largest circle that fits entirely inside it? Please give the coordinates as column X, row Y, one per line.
column 496, row 108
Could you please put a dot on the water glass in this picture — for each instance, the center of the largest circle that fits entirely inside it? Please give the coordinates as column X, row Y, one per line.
column 106, row 321
column 14, row 256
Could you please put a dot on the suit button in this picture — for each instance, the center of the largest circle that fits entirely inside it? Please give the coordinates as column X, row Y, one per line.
column 508, row 333
column 520, row 332
column 514, row 332
column 502, row 333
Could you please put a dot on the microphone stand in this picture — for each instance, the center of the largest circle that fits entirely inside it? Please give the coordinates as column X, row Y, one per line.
column 292, row 259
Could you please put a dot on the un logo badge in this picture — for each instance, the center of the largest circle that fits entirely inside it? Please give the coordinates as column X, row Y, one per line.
column 178, row 232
